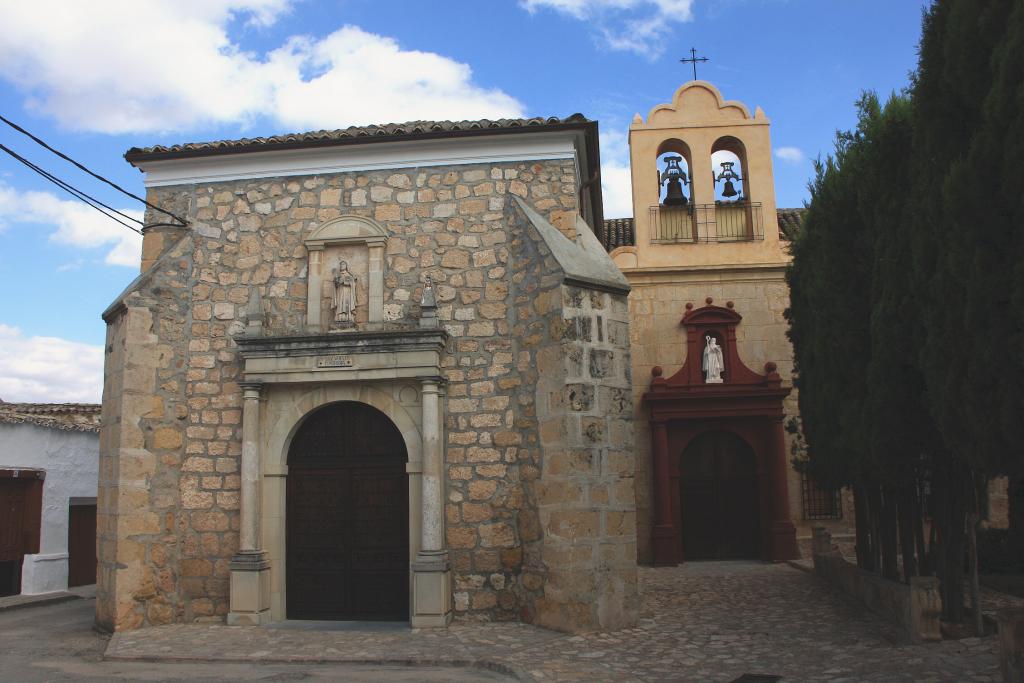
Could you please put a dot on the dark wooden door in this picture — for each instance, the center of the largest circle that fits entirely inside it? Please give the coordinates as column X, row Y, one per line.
column 718, row 499
column 347, row 517
column 20, row 516
column 82, row 545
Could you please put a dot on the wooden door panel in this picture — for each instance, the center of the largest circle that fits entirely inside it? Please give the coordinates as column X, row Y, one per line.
column 81, row 545
column 347, row 532
column 13, row 513
column 719, row 499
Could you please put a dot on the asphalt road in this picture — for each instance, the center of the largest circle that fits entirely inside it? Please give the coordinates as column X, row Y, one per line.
column 57, row 643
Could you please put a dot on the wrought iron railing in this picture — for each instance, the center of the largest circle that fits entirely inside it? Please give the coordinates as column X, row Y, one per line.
column 673, row 224
column 820, row 502
column 722, row 222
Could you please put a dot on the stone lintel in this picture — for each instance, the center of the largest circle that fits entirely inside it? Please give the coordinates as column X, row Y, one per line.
column 357, row 356
column 355, row 342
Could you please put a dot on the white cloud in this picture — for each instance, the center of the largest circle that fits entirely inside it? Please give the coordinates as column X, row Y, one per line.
column 76, row 224
column 48, row 369
column 792, row 155
column 616, row 178
column 639, row 26
column 166, row 65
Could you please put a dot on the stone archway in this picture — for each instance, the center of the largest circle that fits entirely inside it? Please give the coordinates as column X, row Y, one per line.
column 718, row 498
column 347, row 530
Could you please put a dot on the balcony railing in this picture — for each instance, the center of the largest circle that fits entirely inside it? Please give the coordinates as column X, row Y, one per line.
column 724, row 222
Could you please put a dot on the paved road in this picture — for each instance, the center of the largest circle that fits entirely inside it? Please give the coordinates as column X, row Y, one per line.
column 57, row 643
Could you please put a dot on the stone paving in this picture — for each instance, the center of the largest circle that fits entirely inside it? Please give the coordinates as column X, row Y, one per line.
column 704, row 621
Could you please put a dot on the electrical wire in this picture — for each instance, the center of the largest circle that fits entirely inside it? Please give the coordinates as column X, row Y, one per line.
column 94, row 175
column 73, row 191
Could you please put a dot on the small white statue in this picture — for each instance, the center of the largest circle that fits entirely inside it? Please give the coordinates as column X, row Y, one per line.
column 714, row 364
column 344, row 299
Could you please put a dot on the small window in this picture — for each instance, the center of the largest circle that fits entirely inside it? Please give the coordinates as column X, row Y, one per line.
column 820, row 502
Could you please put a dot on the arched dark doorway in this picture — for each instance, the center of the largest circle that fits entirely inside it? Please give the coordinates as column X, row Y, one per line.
column 347, row 533
column 718, row 499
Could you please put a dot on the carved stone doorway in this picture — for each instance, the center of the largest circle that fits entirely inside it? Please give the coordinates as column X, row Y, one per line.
column 347, row 535
column 719, row 499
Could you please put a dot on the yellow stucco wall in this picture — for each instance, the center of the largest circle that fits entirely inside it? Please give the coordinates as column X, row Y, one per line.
column 665, row 277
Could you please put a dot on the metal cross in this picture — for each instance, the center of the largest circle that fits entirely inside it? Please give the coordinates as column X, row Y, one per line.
column 694, row 59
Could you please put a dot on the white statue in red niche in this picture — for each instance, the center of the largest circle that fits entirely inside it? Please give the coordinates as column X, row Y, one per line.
column 714, row 364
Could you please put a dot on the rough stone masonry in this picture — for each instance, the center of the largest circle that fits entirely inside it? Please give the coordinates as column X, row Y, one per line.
column 540, row 510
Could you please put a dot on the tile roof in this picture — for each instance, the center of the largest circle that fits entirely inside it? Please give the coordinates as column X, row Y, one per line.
column 618, row 232
column 789, row 222
column 388, row 132
column 81, row 417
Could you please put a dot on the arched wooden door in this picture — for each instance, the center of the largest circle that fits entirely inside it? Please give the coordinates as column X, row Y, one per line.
column 347, row 526
column 719, row 499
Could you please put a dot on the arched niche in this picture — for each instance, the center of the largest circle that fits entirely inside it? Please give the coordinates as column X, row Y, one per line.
column 730, row 150
column 360, row 242
column 674, row 147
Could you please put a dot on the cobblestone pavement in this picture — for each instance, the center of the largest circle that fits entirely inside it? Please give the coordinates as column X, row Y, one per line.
column 705, row 621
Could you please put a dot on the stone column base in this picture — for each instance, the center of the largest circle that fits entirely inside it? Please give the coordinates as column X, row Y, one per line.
column 431, row 591
column 250, row 589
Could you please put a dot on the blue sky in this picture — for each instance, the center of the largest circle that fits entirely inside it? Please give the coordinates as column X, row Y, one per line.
column 96, row 78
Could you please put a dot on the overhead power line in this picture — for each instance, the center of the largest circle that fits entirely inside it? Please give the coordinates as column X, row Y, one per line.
column 73, row 191
column 114, row 185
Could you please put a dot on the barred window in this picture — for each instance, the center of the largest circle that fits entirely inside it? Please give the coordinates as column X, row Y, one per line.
column 820, row 502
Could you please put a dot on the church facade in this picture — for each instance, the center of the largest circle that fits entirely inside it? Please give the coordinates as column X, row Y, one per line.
column 411, row 372
column 382, row 373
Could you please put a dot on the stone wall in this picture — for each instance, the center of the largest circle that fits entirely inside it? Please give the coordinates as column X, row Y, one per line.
column 179, row 432
column 579, row 533
column 657, row 304
column 141, row 450
column 914, row 608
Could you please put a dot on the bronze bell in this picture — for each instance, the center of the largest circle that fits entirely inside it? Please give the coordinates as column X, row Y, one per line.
column 728, row 175
column 675, row 177
column 674, row 193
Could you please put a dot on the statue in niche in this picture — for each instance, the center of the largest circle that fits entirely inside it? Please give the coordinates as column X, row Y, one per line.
column 344, row 300
column 714, row 363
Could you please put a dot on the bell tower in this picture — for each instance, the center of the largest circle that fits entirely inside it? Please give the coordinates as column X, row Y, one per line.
column 703, row 189
column 705, row 229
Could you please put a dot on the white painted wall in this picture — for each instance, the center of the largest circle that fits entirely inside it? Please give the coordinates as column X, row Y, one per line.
column 71, row 462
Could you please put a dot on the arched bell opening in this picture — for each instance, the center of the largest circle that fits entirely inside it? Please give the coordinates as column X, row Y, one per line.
column 347, row 519
column 735, row 219
column 719, row 498
column 729, row 166
column 673, row 173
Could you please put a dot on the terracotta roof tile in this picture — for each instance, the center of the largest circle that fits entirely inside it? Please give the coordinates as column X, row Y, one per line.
column 389, row 131
column 789, row 222
column 82, row 417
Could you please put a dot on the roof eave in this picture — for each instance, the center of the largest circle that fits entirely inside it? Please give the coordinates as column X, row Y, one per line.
column 136, row 156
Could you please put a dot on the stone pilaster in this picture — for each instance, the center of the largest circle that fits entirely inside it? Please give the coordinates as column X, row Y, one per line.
column 432, row 582
column 250, row 571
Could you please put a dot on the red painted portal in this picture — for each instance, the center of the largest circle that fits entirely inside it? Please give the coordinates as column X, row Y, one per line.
column 718, row 426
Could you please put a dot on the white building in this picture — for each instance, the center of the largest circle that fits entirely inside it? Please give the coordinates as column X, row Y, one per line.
column 49, row 455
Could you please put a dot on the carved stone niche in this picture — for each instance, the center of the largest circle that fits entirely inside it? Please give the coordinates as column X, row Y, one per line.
column 360, row 243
